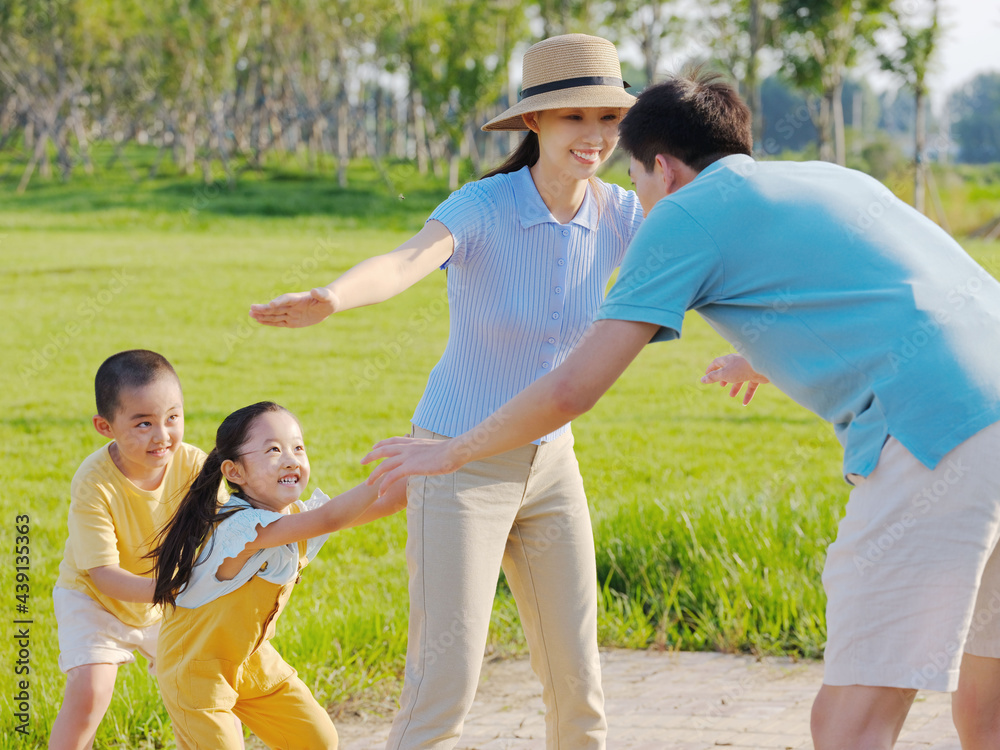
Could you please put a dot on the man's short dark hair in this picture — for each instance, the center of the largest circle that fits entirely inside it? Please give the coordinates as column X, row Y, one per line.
column 696, row 117
column 134, row 368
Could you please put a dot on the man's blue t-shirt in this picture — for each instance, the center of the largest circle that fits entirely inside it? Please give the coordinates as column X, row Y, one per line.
column 850, row 301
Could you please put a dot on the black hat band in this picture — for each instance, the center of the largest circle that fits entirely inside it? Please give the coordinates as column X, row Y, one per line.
column 572, row 83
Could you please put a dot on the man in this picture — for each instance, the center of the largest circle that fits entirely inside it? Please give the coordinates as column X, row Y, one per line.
column 868, row 314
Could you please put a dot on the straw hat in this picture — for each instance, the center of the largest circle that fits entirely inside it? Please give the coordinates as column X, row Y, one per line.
column 573, row 70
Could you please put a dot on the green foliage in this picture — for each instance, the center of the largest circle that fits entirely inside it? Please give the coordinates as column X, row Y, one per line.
column 912, row 60
column 881, row 157
column 976, row 126
column 459, row 74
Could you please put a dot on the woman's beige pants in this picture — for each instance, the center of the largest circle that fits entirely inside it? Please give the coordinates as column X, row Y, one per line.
column 525, row 510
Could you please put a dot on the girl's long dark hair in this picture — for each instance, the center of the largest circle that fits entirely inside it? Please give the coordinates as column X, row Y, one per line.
column 198, row 513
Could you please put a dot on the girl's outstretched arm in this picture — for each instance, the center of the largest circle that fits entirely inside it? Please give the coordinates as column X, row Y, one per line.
column 352, row 508
column 373, row 280
column 393, row 501
column 337, row 513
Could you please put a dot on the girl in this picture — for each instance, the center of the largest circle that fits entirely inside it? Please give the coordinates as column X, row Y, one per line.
column 229, row 570
column 529, row 250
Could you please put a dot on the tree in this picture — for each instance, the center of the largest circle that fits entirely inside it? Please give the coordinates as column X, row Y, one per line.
column 457, row 53
column 735, row 32
column 651, row 25
column 822, row 41
column 975, row 109
column 911, row 62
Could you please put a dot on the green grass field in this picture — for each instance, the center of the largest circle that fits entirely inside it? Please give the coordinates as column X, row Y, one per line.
column 711, row 519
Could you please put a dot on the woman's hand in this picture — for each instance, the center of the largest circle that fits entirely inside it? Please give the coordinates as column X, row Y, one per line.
column 735, row 370
column 405, row 457
column 297, row 309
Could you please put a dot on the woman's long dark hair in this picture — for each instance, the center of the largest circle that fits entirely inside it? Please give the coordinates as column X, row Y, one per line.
column 198, row 512
column 525, row 155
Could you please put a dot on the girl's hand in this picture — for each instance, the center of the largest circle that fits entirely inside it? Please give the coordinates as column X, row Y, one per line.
column 734, row 369
column 297, row 309
column 405, row 457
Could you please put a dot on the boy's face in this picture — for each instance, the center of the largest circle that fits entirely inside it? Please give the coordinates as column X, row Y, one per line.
column 147, row 428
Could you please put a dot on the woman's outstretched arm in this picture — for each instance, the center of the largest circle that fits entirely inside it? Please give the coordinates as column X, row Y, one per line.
column 371, row 281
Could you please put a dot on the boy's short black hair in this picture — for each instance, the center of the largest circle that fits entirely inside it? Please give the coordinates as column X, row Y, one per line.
column 134, row 368
column 696, row 117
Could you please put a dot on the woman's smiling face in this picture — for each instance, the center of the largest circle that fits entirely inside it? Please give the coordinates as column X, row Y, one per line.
column 576, row 140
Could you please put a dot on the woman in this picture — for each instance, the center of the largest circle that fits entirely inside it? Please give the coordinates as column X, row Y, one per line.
column 530, row 249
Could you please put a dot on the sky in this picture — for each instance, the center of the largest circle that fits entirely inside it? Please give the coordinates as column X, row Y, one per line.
column 970, row 43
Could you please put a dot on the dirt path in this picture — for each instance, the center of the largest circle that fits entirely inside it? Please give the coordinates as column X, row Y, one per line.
column 667, row 701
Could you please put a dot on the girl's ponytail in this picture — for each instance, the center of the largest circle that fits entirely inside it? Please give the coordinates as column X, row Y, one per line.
column 182, row 539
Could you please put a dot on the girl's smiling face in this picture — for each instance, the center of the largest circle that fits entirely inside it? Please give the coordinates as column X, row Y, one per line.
column 272, row 468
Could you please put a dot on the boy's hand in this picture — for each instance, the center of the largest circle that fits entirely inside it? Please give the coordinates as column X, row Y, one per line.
column 113, row 581
column 734, row 369
column 297, row 309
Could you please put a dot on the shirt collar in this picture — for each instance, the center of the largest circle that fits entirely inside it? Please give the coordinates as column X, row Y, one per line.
column 732, row 161
column 531, row 209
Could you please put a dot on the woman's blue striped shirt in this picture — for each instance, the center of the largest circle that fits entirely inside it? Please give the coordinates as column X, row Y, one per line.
column 522, row 289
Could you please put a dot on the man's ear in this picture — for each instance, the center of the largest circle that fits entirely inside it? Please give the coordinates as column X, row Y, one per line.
column 232, row 471
column 663, row 165
column 676, row 173
column 103, row 426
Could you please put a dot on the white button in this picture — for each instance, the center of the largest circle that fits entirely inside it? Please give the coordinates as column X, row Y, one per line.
column 555, row 316
column 561, row 262
column 558, row 290
column 552, row 340
column 565, row 233
column 545, row 365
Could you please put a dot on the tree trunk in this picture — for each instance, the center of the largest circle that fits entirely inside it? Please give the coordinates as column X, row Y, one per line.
column 343, row 131
column 837, row 123
column 190, row 143
column 454, row 162
column 401, row 107
column 919, row 147
column 821, row 119
column 419, row 128
column 857, row 124
column 752, row 83
column 650, row 43
column 471, row 149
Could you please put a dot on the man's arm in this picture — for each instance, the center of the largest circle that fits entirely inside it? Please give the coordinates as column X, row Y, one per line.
column 570, row 390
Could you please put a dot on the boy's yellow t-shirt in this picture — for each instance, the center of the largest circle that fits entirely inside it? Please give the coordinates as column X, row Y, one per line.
column 113, row 522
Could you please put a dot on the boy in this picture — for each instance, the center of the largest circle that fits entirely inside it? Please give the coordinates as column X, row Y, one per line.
column 119, row 499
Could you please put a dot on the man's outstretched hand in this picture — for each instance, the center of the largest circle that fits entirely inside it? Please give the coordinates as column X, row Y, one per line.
column 732, row 369
column 405, row 457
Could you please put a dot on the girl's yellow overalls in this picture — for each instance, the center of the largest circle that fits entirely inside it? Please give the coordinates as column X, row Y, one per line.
column 217, row 660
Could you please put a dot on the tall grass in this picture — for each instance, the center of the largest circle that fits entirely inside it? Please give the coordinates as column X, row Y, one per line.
column 710, row 519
